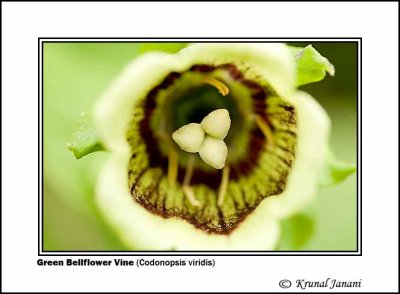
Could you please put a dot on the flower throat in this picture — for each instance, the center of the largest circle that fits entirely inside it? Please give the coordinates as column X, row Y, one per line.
column 261, row 144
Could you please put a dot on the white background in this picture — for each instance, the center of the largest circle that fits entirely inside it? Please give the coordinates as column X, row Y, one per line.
column 376, row 23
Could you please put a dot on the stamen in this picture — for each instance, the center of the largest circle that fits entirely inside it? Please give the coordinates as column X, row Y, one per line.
column 265, row 129
column 172, row 166
column 190, row 195
column 189, row 171
column 224, row 185
column 187, row 189
column 221, row 87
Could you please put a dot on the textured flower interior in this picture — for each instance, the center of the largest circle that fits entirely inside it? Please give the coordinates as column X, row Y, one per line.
column 259, row 164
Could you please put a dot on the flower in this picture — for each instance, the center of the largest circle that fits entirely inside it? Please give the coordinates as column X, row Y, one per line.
column 159, row 197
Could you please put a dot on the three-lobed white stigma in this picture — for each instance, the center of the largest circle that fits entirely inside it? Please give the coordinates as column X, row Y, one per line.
column 206, row 138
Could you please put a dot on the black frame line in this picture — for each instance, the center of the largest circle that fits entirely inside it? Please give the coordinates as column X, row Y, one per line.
column 41, row 252
column 199, row 38
column 252, row 1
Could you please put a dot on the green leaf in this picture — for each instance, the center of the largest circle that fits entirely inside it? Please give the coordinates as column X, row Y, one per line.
column 296, row 232
column 84, row 139
column 311, row 66
column 335, row 171
column 165, row 47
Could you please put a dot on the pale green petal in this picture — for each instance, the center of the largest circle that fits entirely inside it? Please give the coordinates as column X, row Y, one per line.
column 272, row 61
column 311, row 66
column 260, row 229
column 311, row 149
column 130, row 220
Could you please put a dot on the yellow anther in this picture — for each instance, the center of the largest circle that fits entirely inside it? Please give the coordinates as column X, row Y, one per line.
column 220, row 86
column 265, row 129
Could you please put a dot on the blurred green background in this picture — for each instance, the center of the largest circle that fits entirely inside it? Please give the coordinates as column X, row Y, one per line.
column 76, row 74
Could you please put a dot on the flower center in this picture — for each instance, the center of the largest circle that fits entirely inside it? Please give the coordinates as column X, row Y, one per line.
column 261, row 144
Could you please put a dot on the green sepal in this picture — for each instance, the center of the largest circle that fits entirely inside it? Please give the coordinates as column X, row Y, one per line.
column 164, row 47
column 311, row 66
column 84, row 139
column 335, row 171
column 296, row 231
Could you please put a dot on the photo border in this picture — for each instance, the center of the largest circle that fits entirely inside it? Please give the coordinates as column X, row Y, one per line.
column 41, row 252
